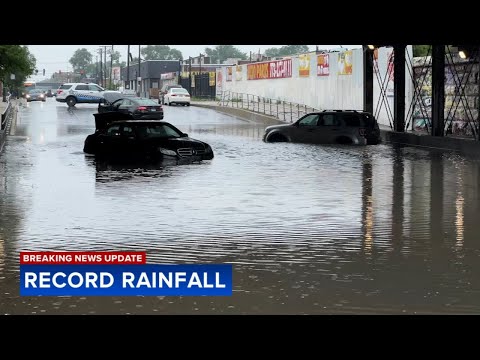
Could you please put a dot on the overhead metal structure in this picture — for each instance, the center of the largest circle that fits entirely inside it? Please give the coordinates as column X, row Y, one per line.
column 461, row 61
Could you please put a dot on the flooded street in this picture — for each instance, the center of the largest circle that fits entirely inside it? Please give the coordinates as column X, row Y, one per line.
column 309, row 229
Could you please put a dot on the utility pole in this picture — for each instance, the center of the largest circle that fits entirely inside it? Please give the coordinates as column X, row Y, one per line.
column 190, row 75
column 105, row 64
column 101, row 68
column 128, row 69
column 139, row 75
column 96, row 69
column 200, row 77
column 111, row 68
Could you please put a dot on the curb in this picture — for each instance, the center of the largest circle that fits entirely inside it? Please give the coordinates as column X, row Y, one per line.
column 243, row 114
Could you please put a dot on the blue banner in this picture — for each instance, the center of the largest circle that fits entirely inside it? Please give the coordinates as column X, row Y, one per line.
column 126, row 280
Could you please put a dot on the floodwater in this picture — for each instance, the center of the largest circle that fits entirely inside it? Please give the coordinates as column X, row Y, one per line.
column 309, row 229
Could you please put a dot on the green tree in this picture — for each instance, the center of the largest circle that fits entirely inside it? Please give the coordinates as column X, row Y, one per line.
column 286, row 50
column 81, row 59
column 115, row 57
column 161, row 52
column 223, row 52
column 421, row 50
column 17, row 60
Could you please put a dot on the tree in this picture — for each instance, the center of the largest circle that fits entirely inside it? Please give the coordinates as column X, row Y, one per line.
column 161, row 52
column 115, row 57
column 286, row 50
column 223, row 52
column 81, row 59
column 421, row 50
column 17, row 60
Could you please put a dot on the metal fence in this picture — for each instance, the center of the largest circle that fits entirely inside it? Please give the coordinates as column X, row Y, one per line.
column 283, row 110
column 6, row 114
column 200, row 86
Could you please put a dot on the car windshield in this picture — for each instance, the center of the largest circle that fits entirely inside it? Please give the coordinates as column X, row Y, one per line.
column 35, row 91
column 179, row 91
column 145, row 102
column 157, row 131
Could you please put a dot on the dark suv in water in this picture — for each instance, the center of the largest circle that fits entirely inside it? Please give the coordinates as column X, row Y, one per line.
column 328, row 127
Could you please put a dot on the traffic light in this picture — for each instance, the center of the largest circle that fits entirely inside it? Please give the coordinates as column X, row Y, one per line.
column 43, row 72
column 36, row 71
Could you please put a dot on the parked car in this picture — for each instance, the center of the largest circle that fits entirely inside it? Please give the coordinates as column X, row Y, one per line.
column 36, row 95
column 328, row 127
column 164, row 90
column 138, row 108
column 73, row 93
column 177, row 96
column 49, row 93
column 143, row 139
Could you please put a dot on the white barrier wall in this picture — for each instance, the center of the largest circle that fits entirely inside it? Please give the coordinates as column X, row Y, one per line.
column 332, row 91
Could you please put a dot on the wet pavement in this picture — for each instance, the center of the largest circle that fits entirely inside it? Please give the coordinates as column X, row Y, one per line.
column 309, row 229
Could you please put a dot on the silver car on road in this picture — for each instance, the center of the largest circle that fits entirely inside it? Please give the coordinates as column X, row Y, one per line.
column 328, row 127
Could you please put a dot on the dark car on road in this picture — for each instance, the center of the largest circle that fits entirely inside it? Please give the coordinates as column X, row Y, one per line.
column 328, row 127
column 36, row 95
column 121, row 137
column 138, row 108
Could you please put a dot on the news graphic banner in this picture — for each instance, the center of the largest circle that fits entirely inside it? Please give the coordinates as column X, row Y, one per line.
column 110, row 273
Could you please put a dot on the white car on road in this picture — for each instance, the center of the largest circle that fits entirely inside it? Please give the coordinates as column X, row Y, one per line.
column 76, row 93
column 177, row 96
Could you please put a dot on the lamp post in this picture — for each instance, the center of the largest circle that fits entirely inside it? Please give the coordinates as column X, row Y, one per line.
column 127, row 86
column 200, row 76
column 139, row 75
column 111, row 67
column 190, row 75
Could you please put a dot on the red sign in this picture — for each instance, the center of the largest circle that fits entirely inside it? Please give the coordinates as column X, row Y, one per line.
column 270, row 70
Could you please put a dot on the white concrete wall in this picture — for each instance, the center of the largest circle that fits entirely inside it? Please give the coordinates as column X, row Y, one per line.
column 321, row 92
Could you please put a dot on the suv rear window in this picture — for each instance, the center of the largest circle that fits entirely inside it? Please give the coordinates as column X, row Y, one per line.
column 63, row 87
column 352, row 120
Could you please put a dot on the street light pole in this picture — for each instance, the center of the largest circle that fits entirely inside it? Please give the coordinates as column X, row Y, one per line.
column 139, row 75
column 190, row 75
column 111, row 67
column 101, row 67
column 200, row 76
column 105, row 64
column 128, row 68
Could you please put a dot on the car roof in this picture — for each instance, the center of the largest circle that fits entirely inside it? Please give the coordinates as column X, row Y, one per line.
column 341, row 112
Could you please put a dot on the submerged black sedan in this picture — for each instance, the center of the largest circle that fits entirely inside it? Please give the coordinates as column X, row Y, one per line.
column 144, row 139
column 139, row 108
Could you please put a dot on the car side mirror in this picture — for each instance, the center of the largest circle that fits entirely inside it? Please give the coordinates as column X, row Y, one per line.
column 184, row 135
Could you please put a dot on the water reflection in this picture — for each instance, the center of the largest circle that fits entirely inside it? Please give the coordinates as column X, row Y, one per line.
column 367, row 203
column 309, row 229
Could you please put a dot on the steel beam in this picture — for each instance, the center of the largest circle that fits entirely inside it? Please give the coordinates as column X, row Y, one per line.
column 399, row 87
column 438, row 90
column 367, row 79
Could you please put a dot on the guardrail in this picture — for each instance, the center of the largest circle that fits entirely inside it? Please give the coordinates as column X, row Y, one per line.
column 282, row 110
column 6, row 114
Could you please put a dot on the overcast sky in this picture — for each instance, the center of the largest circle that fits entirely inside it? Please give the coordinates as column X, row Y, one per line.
column 53, row 58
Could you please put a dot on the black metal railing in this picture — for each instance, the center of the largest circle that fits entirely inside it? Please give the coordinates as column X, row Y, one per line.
column 282, row 110
column 6, row 114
